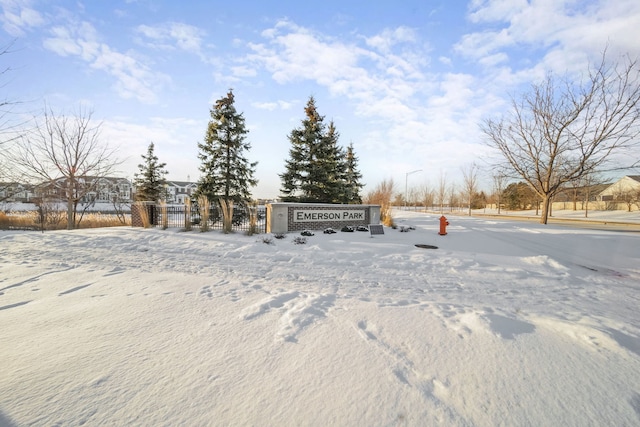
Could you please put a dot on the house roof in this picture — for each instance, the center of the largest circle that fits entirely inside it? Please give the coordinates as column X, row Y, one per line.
column 181, row 183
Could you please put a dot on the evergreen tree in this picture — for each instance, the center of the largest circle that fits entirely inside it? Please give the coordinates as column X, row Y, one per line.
column 334, row 167
column 317, row 169
column 150, row 181
column 300, row 168
column 352, row 178
column 227, row 173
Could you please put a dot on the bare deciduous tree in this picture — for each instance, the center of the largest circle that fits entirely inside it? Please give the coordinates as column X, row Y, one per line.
column 10, row 125
column 441, row 191
column 65, row 151
column 426, row 195
column 470, row 183
column 381, row 195
column 562, row 130
column 499, row 181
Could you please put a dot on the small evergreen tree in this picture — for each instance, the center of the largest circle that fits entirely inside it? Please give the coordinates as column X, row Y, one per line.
column 318, row 169
column 227, row 173
column 150, row 181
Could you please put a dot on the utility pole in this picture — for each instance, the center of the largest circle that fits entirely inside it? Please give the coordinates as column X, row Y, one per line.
column 406, row 180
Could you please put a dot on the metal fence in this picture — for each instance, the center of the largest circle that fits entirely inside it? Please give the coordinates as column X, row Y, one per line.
column 177, row 216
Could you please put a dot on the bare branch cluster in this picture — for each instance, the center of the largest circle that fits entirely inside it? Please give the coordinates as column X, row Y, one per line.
column 65, row 152
column 562, row 130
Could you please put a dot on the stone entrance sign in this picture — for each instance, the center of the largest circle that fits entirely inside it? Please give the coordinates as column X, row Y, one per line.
column 285, row 217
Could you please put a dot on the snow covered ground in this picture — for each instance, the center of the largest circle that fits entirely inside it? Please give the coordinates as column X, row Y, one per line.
column 506, row 323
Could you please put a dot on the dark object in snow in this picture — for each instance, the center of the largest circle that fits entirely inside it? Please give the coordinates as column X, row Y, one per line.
column 279, row 235
column 362, row 228
column 300, row 240
column 426, row 246
column 376, row 229
column 307, row 233
column 329, row 231
column 348, row 229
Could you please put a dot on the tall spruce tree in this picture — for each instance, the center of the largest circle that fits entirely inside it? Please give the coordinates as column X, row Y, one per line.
column 227, row 173
column 150, row 181
column 316, row 168
column 352, row 178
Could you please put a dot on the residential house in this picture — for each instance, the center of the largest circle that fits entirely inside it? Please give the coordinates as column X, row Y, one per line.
column 89, row 189
column 179, row 191
column 15, row 192
column 623, row 188
column 624, row 191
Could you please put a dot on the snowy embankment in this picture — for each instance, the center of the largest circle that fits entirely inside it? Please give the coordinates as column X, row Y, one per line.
column 506, row 323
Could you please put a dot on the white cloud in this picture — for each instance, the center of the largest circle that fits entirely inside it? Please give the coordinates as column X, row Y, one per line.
column 271, row 106
column 361, row 73
column 18, row 17
column 388, row 80
column 389, row 38
column 133, row 78
column 243, row 71
column 481, row 11
column 572, row 29
column 173, row 36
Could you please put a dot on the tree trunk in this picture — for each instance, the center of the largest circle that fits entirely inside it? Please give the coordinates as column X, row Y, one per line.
column 546, row 204
column 70, row 218
column 586, row 205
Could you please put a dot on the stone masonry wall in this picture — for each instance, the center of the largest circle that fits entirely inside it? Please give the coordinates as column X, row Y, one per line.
column 321, row 225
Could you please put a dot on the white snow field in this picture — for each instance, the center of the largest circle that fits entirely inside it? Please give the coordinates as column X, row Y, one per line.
column 507, row 323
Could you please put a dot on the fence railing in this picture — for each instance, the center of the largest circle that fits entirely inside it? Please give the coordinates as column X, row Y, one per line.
column 173, row 216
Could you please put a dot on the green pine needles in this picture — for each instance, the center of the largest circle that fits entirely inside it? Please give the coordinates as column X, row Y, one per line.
column 318, row 169
column 150, row 181
column 227, row 173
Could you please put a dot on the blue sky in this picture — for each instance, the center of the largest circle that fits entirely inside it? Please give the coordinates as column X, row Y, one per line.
column 407, row 82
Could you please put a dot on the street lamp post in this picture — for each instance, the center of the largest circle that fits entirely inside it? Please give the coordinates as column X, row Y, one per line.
column 406, row 180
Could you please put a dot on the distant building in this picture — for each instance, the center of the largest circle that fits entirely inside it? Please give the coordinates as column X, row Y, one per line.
column 627, row 187
column 15, row 192
column 179, row 191
column 91, row 189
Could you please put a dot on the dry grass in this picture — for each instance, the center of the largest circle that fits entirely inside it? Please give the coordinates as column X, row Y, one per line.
column 203, row 204
column 163, row 212
column 33, row 221
column 97, row 220
column 381, row 195
column 227, row 215
column 144, row 214
column 187, row 215
column 253, row 220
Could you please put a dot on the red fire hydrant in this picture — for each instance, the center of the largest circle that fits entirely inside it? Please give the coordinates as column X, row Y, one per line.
column 443, row 225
